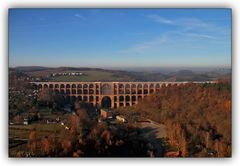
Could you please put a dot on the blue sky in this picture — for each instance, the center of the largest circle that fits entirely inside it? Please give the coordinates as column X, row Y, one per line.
column 120, row 37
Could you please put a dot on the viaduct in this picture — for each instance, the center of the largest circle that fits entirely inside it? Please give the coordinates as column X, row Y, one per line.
column 116, row 94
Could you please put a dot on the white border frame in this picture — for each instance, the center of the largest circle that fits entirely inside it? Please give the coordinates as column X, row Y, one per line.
column 5, row 5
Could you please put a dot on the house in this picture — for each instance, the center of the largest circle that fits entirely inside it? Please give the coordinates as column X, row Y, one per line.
column 121, row 119
column 25, row 121
column 106, row 113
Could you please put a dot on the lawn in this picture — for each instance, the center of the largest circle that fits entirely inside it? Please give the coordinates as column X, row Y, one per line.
column 22, row 131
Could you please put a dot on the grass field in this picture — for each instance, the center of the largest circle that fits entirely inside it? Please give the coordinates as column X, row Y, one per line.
column 22, row 131
column 93, row 76
column 19, row 135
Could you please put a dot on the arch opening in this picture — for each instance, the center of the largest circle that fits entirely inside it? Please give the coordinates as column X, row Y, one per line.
column 106, row 102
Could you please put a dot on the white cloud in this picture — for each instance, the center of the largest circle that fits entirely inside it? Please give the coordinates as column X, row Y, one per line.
column 141, row 47
column 159, row 19
column 80, row 16
column 198, row 35
column 202, row 36
column 191, row 23
column 185, row 23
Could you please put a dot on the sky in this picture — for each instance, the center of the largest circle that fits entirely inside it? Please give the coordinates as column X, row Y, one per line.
column 120, row 37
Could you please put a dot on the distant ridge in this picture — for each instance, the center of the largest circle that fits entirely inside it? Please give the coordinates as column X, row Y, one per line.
column 124, row 75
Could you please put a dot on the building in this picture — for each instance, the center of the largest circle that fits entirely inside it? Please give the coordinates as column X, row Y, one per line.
column 121, row 119
column 25, row 121
column 106, row 113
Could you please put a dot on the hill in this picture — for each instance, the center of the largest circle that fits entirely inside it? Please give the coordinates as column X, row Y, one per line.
column 197, row 117
column 98, row 74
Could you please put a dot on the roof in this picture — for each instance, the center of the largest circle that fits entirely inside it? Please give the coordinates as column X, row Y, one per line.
column 106, row 110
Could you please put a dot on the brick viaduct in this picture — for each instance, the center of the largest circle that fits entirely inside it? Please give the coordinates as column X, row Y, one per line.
column 119, row 93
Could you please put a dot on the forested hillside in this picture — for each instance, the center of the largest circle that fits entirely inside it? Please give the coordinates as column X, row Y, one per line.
column 197, row 117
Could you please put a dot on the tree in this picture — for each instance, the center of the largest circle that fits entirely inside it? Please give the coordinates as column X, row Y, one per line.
column 74, row 123
column 33, row 142
column 45, row 96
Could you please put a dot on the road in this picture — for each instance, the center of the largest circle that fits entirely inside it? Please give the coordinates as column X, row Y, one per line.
column 154, row 132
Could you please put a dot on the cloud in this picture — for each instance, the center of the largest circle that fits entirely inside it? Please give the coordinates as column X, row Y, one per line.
column 191, row 23
column 79, row 16
column 159, row 19
column 141, row 47
column 198, row 35
column 185, row 23
column 202, row 36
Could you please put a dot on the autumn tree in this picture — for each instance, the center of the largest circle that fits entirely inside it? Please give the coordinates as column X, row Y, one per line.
column 45, row 96
column 33, row 142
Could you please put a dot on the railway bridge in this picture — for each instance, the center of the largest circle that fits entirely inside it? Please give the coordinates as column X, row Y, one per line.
column 107, row 94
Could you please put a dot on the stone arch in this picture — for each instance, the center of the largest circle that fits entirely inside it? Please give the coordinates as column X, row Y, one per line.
column 56, row 85
column 85, row 91
column 91, row 86
column 74, row 86
column 74, row 91
column 56, row 91
column 127, row 89
column 79, row 91
column 134, row 88
column 127, row 98
column 133, row 98
column 62, row 92
column 139, row 86
column 127, row 86
column 62, row 86
column 85, row 98
column 91, row 98
column 115, row 87
column 51, row 86
column 91, row 91
column 157, row 87
column 79, row 98
column 151, row 88
column 85, row 86
column 68, row 86
column 121, row 91
column 163, row 85
column 121, row 86
column 145, row 86
column 106, row 89
column 40, row 86
column 115, row 99
column 79, row 86
column 68, row 92
column 145, row 89
column 121, row 98
column 106, row 102
column 45, row 86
